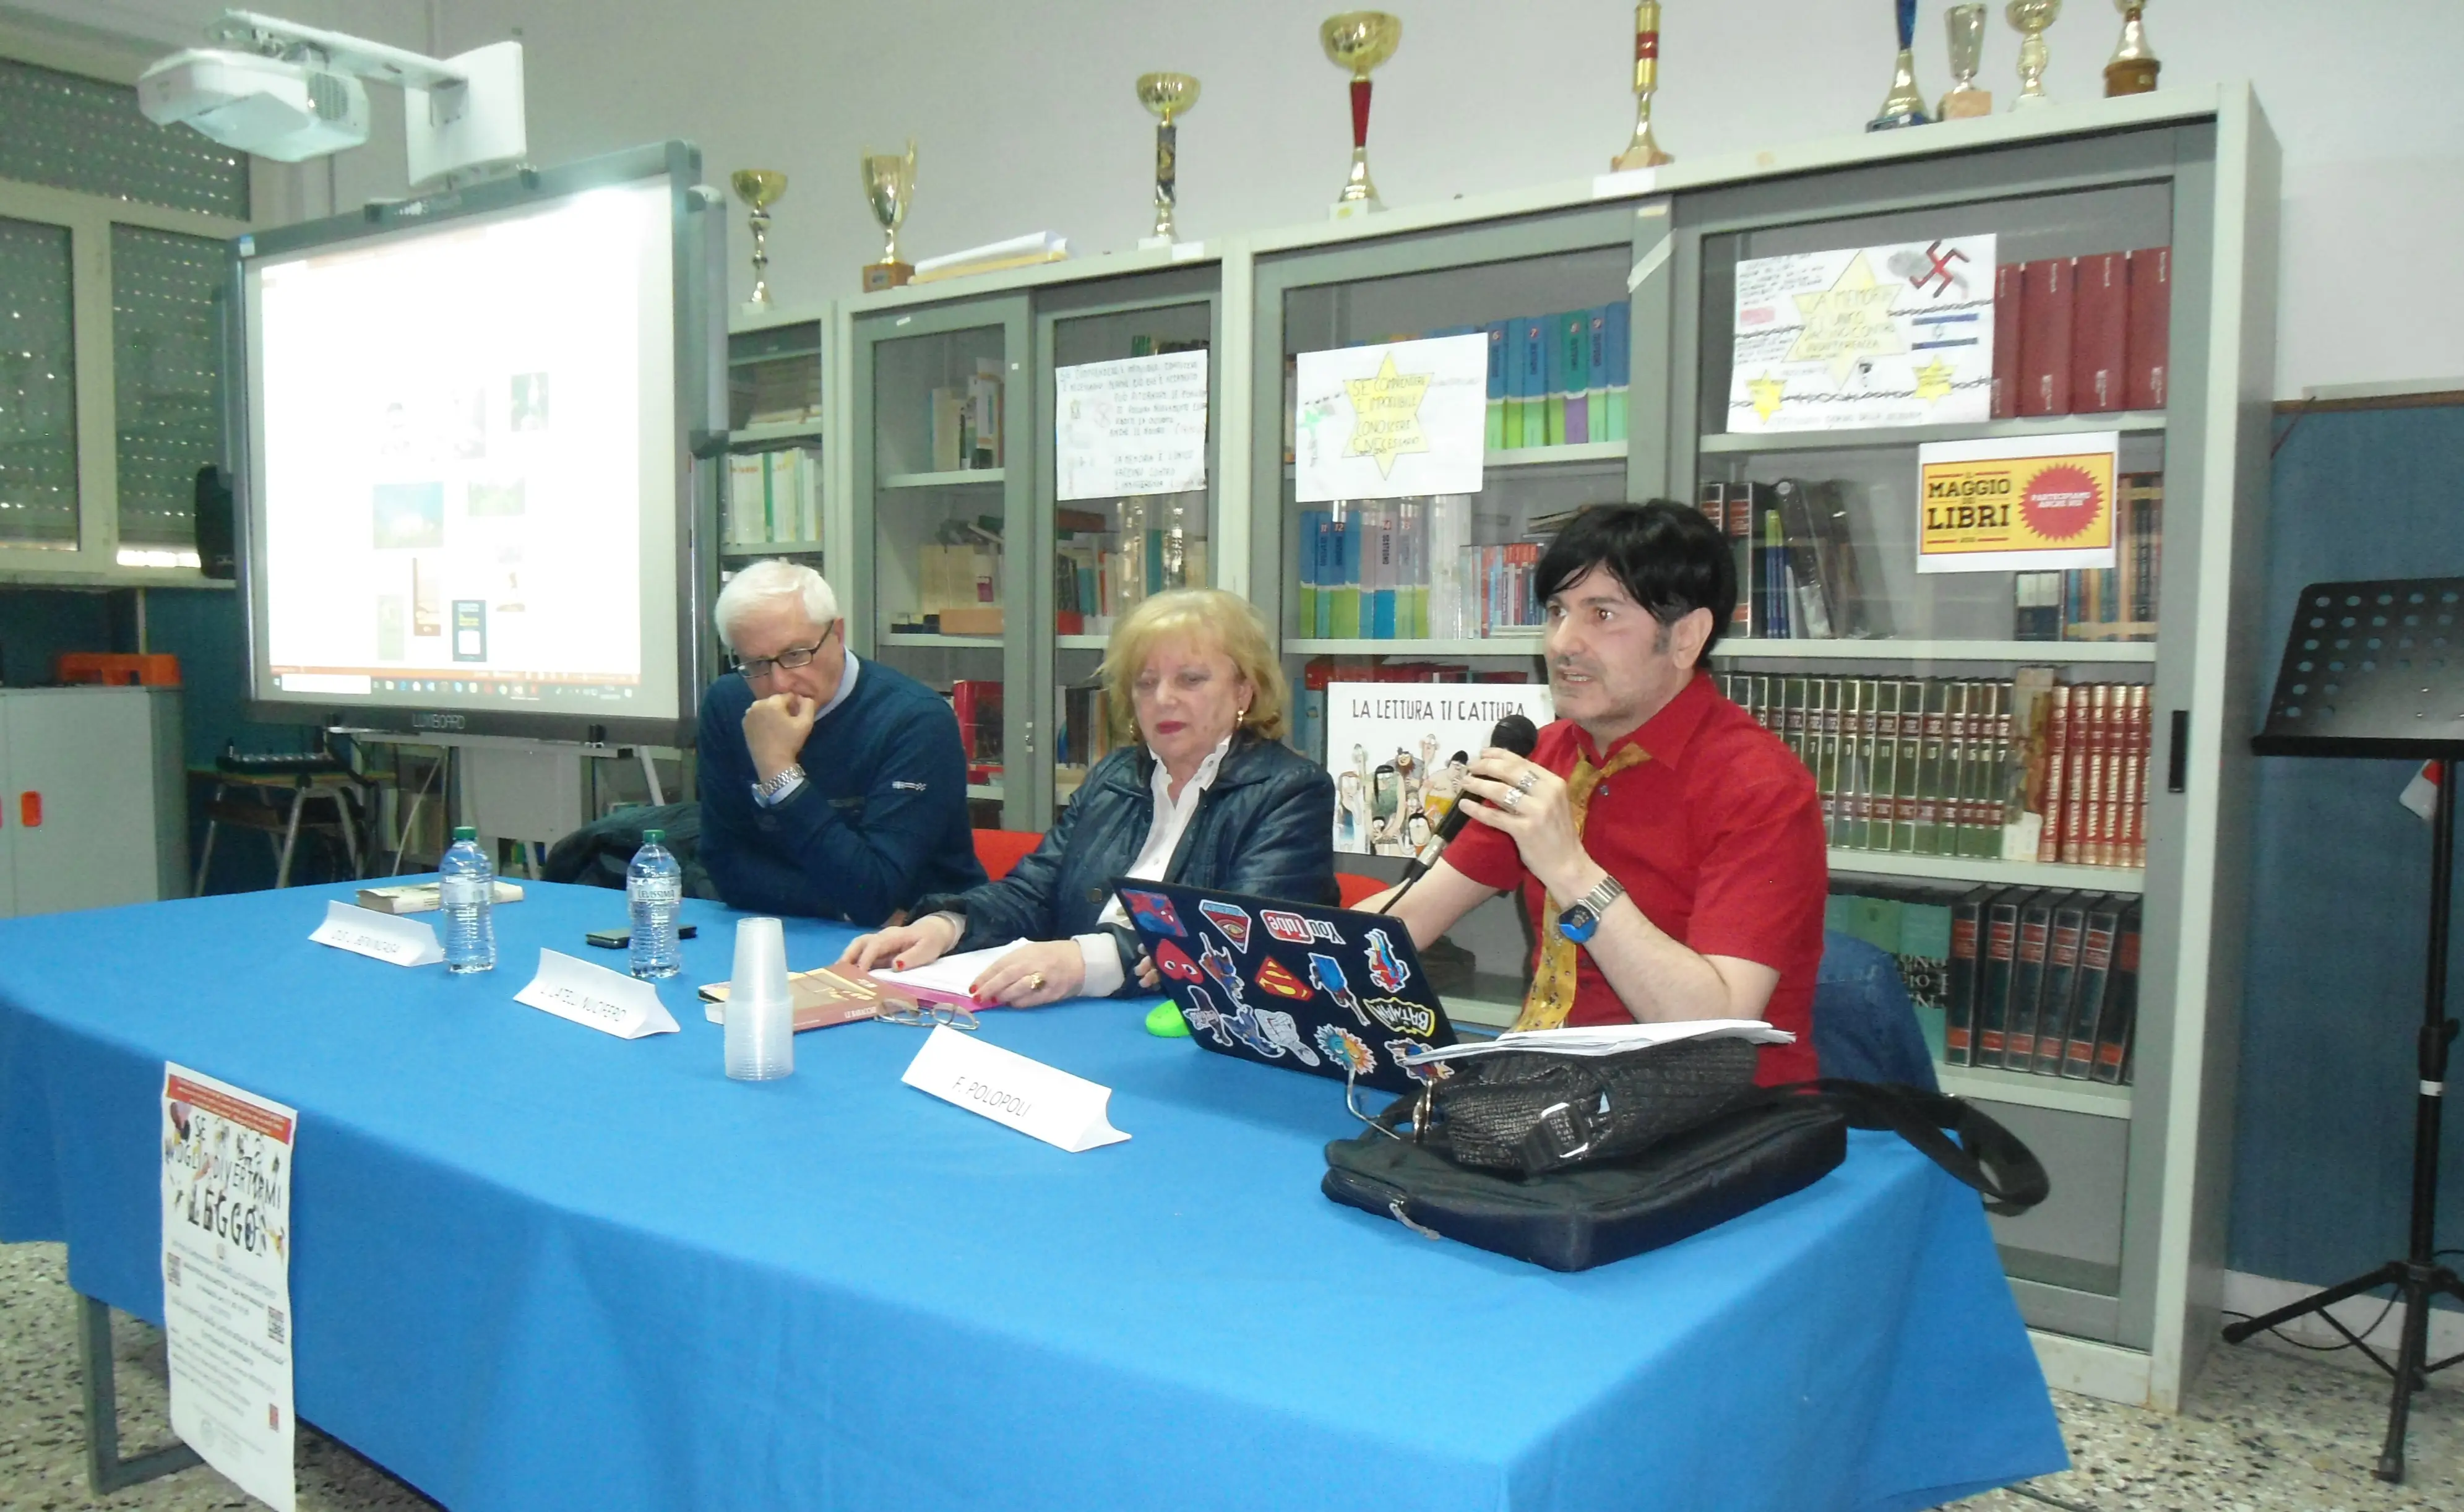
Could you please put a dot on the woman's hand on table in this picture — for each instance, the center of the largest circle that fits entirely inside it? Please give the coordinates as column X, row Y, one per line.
column 902, row 948
column 1036, row 973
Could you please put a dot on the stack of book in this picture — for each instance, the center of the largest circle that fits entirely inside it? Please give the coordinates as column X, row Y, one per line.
column 1554, row 379
column 1102, row 567
column 2115, row 603
column 775, row 391
column 773, row 496
column 1407, row 568
column 967, row 421
column 2024, row 768
column 2081, row 335
column 1797, row 576
column 2044, row 980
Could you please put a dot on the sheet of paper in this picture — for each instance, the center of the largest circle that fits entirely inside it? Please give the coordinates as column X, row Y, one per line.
column 1129, row 427
column 1608, row 1038
column 1392, row 420
column 1049, row 1103
column 608, row 1001
column 227, row 1164
column 1857, row 337
column 947, row 979
column 381, row 937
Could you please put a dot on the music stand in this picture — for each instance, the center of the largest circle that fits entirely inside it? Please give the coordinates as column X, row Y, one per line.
column 2377, row 670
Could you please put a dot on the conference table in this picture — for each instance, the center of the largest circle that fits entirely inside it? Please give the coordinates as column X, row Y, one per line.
column 536, row 1266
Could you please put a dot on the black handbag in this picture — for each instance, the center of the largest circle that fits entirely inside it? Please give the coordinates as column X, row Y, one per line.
column 1765, row 1144
column 1529, row 1112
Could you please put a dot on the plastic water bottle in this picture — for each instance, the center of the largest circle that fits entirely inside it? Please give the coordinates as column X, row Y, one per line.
column 470, row 899
column 654, row 884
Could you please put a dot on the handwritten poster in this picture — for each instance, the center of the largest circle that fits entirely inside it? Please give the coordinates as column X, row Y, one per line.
column 227, row 1169
column 1136, row 426
column 1391, row 421
column 1398, row 752
column 1864, row 335
column 2028, row 504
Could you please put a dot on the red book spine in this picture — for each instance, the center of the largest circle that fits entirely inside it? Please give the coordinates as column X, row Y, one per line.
column 2057, row 742
column 2099, row 319
column 2008, row 295
column 2151, row 324
column 2045, row 317
column 2135, row 846
column 2075, row 770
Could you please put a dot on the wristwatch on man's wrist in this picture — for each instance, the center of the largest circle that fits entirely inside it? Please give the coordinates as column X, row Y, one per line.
column 1580, row 921
column 766, row 793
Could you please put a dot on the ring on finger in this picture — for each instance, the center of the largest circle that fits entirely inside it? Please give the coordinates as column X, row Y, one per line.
column 1035, row 983
column 1527, row 781
column 1514, row 798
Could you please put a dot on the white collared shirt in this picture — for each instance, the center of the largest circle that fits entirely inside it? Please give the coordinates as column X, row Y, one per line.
column 846, row 686
column 1172, row 816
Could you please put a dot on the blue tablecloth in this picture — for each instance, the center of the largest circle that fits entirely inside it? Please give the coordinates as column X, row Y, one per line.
column 536, row 1266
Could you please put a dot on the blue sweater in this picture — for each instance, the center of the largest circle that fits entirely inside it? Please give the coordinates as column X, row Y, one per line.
column 880, row 821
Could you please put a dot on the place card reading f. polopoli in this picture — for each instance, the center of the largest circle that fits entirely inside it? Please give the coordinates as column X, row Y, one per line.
column 1007, row 1087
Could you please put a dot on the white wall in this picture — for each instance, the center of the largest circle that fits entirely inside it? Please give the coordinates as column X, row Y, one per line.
column 1026, row 120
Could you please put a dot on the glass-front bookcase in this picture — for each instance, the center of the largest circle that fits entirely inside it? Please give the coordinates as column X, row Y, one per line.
column 772, row 496
column 940, row 467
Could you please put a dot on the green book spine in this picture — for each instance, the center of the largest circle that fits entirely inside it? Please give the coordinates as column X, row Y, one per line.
column 1904, row 799
column 1927, row 840
column 1880, row 801
column 1955, row 772
column 1826, row 774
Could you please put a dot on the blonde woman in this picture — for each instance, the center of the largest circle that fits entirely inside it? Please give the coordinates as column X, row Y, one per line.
column 1204, row 792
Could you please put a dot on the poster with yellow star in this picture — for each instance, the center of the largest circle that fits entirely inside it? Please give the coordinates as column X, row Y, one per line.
column 2017, row 504
column 1392, row 420
column 1860, row 336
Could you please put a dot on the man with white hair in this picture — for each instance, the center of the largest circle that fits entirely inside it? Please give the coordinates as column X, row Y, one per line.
column 831, row 787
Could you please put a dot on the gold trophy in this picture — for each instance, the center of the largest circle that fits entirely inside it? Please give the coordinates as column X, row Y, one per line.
column 2030, row 18
column 1966, row 24
column 761, row 188
column 1643, row 152
column 888, row 188
column 1359, row 40
column 1166, row 95
column 2134, row 65
column 1905, row 104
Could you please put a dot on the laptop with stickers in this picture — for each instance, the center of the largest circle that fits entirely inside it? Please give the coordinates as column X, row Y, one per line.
column 1328, row 990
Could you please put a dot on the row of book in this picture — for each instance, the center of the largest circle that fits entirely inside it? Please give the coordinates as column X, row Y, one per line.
column 1102, row 569
column 2081, row 335
column 773, row 496
column 966, row 420
column 2024, row 768
column 1797, row 576
column 2115, row 603
column 957, row 581
column 1407, row 568
column 2021, row 979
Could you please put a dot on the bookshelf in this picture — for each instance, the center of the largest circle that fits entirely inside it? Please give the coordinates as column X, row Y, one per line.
column 2117, row 1273
column 774, row 486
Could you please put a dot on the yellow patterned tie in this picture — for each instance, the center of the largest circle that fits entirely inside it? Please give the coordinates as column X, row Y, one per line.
column 1553, row 983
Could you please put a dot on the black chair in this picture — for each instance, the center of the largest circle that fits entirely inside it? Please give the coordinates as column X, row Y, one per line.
column 1864, row 1026
column 598, row 853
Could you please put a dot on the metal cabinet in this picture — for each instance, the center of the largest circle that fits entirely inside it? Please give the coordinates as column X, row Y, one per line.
column 92, row 807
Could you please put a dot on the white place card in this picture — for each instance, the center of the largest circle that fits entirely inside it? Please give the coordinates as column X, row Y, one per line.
column 382, row 937
column 1007, row 1087
column 608, row 1001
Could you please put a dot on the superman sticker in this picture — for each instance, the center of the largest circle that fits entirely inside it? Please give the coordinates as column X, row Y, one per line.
column 1174, row 963
column 1403, row 1018
column 1345, row 1049
column 1326, row 973
column 1385, row 967
column 1294, row 929
column 1155, row 911
column 1230, row 917
column 1277, row 978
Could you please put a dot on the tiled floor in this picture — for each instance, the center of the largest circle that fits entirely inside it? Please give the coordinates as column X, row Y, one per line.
column 2264, row 1433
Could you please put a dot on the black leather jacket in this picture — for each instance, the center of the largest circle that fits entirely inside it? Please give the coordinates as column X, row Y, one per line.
column 1266, row 826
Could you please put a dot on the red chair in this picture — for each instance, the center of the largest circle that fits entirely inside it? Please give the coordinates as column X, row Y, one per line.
column 1000, row 849
column 1355, row 889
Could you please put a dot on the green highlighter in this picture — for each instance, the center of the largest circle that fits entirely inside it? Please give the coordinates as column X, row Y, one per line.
column 1164, row 1022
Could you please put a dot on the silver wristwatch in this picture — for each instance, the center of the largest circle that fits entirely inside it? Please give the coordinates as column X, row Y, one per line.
column 766, row 793
column 1581, row 921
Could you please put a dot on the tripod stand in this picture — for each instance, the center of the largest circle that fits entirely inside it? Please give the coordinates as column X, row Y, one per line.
column 2377, row 670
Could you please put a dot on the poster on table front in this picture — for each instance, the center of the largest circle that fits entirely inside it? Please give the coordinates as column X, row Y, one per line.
column 1864, row 335
column 226, row 1171
column 1394, row 420
column 1131, row 427
column 2023, row 504
column 1398, row 752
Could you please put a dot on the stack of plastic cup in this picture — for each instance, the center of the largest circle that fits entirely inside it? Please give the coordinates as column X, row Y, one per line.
column 760, row 1015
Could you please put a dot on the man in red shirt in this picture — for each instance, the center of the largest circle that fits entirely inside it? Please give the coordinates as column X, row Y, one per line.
column 1670, row 847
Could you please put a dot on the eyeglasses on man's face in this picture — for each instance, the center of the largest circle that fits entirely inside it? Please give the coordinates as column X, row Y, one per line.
column 753, row 669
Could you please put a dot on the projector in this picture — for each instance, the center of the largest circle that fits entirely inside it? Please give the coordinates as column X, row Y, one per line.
column 286, row 111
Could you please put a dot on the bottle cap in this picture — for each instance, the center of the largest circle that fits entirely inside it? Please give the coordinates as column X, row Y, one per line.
column 654, row 836
column 465, row 832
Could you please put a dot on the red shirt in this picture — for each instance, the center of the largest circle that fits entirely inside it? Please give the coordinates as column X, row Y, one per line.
column 1718, row 840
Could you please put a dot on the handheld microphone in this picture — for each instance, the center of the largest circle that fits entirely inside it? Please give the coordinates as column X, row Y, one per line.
column 1515, row 733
